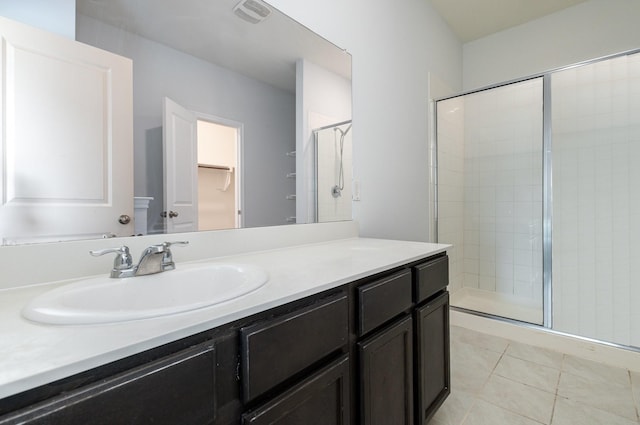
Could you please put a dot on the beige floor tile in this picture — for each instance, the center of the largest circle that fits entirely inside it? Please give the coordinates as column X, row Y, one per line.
column 454, row 409
column 483, row 413
column 567, row 412
column 599, row 394
column 488, row 342
column 471, row 366
column 437, row 421
column 537, row 355
column 496, row 381
column 529, row 373
column 596, row 371
column 635, row 384
column 524, row 400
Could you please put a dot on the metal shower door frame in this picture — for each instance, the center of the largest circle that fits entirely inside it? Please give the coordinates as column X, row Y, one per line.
column 547, row 179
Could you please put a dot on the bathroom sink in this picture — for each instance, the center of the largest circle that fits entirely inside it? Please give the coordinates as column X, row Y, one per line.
column 107, row 300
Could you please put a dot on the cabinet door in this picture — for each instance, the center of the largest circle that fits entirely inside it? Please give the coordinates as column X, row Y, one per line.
column 179, row 389
column 386, row 376
column 432, row 360
column 321, row 399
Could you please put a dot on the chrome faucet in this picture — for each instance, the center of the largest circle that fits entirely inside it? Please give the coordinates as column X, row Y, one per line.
column 154, row 259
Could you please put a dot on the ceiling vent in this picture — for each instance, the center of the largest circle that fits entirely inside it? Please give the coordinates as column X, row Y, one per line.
column 253, row 11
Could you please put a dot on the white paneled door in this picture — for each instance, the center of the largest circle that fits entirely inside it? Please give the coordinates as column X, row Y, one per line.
column 66, row 164
column 180, row 151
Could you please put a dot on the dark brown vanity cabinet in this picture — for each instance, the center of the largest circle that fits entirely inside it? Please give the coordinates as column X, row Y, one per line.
column 178, row 389
column 431, row 318
column 386, row 376
column 287, row 370
column 372, row 352
column 403, row 344
column 277, row 349
column 386, row 351
column 320, row 399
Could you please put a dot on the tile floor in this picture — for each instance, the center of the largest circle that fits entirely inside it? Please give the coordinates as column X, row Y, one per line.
column 496, row 381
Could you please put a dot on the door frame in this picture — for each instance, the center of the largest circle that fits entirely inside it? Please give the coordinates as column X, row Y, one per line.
column 239, row 181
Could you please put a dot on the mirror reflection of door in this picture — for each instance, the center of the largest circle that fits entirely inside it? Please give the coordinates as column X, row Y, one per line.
column 180, row 168
column 65, row 141
column 201, row 171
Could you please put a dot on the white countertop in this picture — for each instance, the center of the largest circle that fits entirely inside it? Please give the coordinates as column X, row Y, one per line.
column 33, row 354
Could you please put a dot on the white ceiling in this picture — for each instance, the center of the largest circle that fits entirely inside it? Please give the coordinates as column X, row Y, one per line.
column 209, row 30
column 473, row 19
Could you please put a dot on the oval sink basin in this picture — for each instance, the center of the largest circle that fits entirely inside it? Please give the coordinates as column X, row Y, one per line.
column 107, row 300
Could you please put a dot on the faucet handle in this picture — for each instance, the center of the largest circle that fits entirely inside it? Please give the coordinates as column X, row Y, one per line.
column 123, row 258
column 167, row 259
column 178, row 243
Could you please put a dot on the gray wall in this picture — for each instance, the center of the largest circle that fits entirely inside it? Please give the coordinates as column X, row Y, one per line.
column 268, row 115
column 57, row 16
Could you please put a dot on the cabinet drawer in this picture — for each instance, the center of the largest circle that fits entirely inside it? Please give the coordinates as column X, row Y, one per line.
column 179, row 389
column 382, row 300
column 323, row 398
column 431, row 277
column 275, row 350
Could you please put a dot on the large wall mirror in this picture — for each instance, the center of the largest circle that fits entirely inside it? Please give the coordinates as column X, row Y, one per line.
column 229, row 104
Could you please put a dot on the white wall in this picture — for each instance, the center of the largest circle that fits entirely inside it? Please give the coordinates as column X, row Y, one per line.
column 394, row 46
column 589, row 30
column 217, row 146
column 216, row 205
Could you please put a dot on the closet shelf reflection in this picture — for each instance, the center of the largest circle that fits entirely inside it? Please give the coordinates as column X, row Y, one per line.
column 215, row 167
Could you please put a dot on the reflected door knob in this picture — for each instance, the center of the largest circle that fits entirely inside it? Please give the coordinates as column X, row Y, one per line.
column 172, row 214
column 124, row 219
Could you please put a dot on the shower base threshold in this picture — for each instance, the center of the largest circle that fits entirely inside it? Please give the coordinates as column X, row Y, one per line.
column 509, row 306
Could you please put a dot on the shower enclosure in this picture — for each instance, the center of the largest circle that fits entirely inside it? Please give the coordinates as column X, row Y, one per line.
column 333, row 172
column 538, row 188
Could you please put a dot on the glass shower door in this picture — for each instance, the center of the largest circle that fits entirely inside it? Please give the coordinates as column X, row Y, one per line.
column 596, row 200
column 490, row 179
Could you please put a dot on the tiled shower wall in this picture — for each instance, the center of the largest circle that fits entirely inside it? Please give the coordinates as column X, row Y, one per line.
column 503, row 190
column 490, row 189
column 596, row 200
